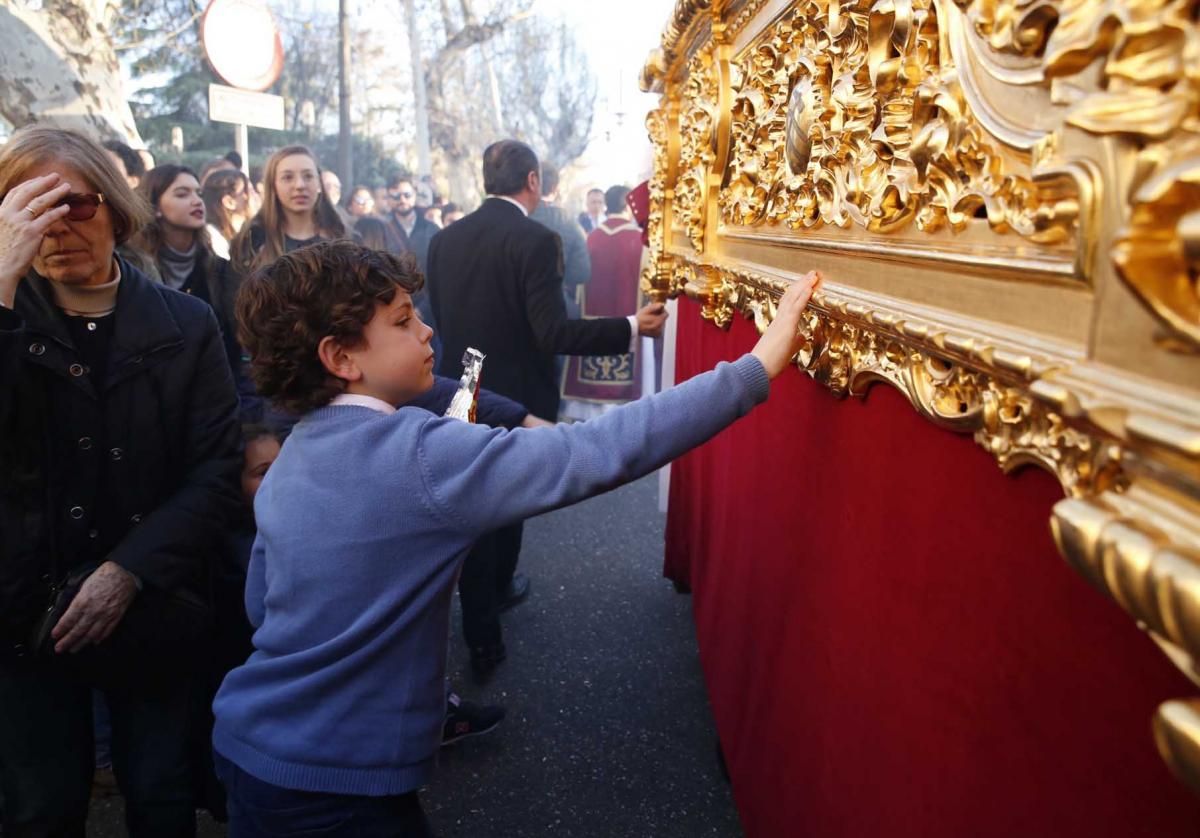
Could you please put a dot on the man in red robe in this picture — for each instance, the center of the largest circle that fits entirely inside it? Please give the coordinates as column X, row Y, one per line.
column 615, row 248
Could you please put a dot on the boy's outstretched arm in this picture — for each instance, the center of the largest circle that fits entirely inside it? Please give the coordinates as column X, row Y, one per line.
column 480, row 479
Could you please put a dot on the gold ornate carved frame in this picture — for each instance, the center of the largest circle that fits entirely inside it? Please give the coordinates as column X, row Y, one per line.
column 1004, row 196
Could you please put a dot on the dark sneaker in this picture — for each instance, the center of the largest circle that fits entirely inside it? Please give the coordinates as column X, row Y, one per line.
column 466, row 718
column 484, row 660
column 516, row 592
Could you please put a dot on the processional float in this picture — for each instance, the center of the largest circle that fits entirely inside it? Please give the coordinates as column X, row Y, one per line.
column 1004, row 196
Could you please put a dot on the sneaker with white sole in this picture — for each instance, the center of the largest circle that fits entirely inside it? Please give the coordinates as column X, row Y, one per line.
column 466, row 718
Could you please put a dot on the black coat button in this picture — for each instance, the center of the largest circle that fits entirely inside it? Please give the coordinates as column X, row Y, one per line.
column 85, row 443
column 116, row 454
column 135, row 518
column 37, row 349
column 75, row 370
column 93, row 533
column 76, row 512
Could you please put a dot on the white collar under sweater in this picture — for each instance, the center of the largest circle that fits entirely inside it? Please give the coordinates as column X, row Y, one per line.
column 378, row 405
column 514, row 202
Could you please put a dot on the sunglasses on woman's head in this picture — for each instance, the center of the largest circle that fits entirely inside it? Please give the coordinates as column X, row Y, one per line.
column 82, row 206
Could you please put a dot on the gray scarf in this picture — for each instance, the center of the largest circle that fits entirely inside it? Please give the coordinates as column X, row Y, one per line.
column 176, row 266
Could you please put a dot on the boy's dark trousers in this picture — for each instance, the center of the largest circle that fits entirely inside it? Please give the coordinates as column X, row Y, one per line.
column 485, row 578
column 258, row 809
column 47, row 756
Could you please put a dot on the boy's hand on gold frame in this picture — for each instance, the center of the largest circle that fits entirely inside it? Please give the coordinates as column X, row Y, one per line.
column 782, row 340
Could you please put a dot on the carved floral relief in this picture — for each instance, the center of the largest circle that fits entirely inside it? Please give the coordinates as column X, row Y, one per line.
column 849, row 113
column 697, row 144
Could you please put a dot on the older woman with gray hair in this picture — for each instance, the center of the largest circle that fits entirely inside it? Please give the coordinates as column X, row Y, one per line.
column 118, row 470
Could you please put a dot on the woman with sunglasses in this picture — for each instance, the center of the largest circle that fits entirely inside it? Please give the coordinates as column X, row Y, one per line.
column 295, row 212
column 118, row 470
column 227, row 203
column 360, row 202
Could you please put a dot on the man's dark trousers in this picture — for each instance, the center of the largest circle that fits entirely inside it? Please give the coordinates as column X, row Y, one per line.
column 47, row 756
column 485, row 578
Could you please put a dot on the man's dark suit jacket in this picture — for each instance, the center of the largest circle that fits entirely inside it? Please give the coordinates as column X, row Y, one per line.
column 416, row 242
column 495, row 279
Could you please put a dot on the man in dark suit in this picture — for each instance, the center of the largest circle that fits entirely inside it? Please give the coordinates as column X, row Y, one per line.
column 593, row 217
column 496, row 283
column 577, row 266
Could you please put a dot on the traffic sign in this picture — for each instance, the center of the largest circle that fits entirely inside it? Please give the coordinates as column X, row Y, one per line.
column 242, row 43
column 243, row 107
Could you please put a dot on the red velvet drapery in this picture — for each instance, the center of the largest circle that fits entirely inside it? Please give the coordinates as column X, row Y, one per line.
column 891, row 642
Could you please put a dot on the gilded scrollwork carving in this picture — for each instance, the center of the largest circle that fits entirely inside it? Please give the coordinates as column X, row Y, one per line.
column 1158, row 252
column 849, row 113
column 1145, row 53
column 655, row 278
column 698, row 121
column 847, row 348
column 744, row 15
column 1018, row 429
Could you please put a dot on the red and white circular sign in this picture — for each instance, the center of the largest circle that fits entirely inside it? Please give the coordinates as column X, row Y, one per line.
column 242, row 43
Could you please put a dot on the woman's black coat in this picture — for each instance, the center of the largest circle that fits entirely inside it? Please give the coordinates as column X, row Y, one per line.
column 143, row 473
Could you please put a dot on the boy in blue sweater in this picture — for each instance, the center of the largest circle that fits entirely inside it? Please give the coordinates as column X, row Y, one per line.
column 364, row 521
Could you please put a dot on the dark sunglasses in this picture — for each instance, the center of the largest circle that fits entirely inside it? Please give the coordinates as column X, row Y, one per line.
column 81, row 206
column 402, row 194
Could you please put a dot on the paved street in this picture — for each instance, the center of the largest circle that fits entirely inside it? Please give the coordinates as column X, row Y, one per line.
column 609, row 733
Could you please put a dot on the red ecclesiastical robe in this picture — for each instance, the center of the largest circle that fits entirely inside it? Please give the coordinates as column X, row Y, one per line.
column 615, row 248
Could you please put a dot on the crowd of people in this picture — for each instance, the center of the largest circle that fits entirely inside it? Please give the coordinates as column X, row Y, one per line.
column 233, row 512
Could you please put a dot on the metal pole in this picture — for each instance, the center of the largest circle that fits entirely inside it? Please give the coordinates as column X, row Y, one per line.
column 243, row 147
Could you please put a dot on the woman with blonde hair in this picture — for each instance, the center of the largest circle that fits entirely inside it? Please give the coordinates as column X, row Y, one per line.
column 118, row 471
column 295, row 212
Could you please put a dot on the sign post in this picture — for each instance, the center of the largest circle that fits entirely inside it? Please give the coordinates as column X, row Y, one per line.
column 243, row 47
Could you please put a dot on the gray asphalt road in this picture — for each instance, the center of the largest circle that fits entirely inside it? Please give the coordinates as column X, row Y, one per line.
column 609, row 733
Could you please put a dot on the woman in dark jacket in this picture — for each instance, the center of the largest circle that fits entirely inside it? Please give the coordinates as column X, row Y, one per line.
column 176, row 242
column 118, row 470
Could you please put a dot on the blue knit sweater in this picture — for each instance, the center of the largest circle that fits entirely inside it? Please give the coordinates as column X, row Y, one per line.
column 363, row 523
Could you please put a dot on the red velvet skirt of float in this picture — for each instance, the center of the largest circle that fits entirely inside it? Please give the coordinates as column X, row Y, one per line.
column 891, row 642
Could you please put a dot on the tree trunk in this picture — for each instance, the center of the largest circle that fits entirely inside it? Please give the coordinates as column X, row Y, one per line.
column 345, row 145
column 420, row 104
column 57, row 66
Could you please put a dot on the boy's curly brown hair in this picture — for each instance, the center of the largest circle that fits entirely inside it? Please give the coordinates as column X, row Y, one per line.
column 286, row 308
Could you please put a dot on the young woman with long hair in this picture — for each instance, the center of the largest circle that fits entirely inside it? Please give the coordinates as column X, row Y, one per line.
column 295, row 212
column 227, row 203
column 176, row 244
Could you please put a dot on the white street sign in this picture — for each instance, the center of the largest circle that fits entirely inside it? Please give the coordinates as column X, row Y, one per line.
column 242, row 107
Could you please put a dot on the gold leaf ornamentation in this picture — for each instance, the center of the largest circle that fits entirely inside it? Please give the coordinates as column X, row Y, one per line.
column 848, row 113
column 697, row 144
column 655, row 279
column 1148, row 51
column 848, row 348
column 1158, row 252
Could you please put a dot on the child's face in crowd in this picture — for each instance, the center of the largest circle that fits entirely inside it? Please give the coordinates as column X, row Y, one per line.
column 297, row 183
column 395, row 361
column 260, row 453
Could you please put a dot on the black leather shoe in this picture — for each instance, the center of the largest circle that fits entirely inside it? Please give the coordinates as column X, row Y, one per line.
column 516, row 592
column 484, row 660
